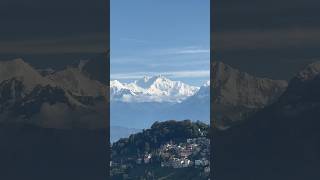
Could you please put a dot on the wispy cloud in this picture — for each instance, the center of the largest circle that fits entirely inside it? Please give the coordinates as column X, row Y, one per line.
column 170, row 74
column 164, row 58
column 181, row 51
column 182, row 63
column 193, row 51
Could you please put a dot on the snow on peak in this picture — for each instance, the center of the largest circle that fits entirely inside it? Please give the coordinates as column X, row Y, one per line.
column 116, row 84
column 144, row 82
column 148, row 81
column 206, row 84
column 204, row 91
column 150, row 89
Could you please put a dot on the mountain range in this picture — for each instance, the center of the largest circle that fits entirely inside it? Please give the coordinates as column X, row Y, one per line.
column 151, row 89
column 264, row 129
column 142, row 102
column 236, row 96
column 278, row 138
column 75, row 97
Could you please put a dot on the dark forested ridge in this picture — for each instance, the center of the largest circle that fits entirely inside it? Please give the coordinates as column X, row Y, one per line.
column 168, row 150
column 158, row 134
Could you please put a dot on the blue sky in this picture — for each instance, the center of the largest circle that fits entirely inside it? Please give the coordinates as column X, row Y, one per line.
column 168, row 37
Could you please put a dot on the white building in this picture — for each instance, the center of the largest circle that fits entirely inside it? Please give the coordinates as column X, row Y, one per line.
column 147, row 158
column 207, row 169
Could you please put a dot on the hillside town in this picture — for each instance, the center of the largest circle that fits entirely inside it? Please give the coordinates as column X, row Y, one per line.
column 193, row 153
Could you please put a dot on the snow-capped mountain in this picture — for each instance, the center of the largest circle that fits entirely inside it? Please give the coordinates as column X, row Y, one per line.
column 196, row 107
column 236, row 95
column 140, row 115
column 204, row 92
column 151, row 89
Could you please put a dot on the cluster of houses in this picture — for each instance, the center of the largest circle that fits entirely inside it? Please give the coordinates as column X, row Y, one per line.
column 177, row 163
column 192, row 153
column 195, row 152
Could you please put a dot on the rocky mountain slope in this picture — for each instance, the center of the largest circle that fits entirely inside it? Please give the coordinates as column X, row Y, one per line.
column 62, row 99
column 51, row 121
column 237, row 95
column 279, row 142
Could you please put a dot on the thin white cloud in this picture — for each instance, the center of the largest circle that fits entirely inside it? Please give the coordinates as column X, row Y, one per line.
column 193, row 51
column 190, row 63
column 160, row 56
column 170, row 74
column 160, row 62
column 181, row 51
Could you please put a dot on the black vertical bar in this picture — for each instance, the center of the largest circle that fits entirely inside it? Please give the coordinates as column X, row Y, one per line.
column 108, row 149
column 212, row 162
